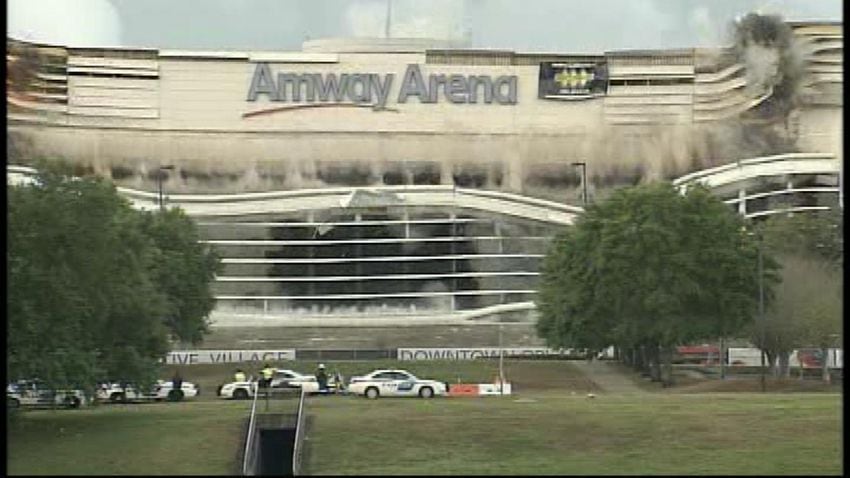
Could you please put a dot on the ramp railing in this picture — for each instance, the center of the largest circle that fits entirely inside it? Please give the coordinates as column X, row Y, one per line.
column 252, row 451
column 300, row 432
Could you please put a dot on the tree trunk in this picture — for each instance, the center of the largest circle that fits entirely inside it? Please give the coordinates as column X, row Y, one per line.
column 825, row 365
column 655, row 369
column 784, row 365
column 771, row 359
column 667, row 357
column 722, row 358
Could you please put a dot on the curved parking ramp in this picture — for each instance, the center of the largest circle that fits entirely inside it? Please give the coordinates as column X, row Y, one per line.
column 274, row 443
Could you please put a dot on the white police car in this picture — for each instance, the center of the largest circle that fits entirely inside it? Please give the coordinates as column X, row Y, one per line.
column 161, row 390
column 34, row 393
column 283, row 379
column 395, row 383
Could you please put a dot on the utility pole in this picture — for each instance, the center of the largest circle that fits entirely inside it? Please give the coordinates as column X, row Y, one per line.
column 761, row 308
column 501, row 363
column 583, row 166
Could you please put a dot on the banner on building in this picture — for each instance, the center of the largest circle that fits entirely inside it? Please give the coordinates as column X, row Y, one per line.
column 486, row 352
column 572, row 81
column 193, row 357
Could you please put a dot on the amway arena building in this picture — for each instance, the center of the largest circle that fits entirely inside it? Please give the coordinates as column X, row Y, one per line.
column 406, row 180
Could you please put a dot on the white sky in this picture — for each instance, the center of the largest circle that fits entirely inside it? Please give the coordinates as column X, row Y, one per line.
column 521, row 25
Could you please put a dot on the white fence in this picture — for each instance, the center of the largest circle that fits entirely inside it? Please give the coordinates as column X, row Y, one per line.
column 810, row 357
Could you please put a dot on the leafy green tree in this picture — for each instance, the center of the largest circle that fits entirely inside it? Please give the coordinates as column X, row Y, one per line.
column 85, row 302
column 649, row 269
column 819, row 235
column 806, row 311
column 784, row 325
column 182, row 270
column 810, row 248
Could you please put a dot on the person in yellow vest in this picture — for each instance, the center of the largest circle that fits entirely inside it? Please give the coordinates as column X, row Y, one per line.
column 239, row 376
column 268, row 373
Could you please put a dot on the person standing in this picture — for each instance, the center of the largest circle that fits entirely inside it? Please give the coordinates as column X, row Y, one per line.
column 176, row 392
column 268, row 373
column 177, row 381
column 322, row 378
column 239, row 376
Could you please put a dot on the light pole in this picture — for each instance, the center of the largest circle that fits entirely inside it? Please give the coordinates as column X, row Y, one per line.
column 583, row 166
column 761, row 308
column 159, row 174
column 762, row 332
column 501, row 363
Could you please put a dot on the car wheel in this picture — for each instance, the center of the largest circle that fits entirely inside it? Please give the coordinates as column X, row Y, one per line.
column 372, row 393
column 72, row 402
column 426, row 392
column 240, row 394
column 118, row 398
column 13, row 403
column 175, row 395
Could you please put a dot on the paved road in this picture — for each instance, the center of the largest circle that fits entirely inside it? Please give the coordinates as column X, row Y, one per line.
column 608, row 377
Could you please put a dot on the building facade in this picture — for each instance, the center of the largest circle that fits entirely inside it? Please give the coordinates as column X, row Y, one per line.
column 405, row 177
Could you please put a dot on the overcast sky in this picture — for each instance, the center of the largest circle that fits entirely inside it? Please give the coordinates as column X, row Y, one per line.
column 572, row 26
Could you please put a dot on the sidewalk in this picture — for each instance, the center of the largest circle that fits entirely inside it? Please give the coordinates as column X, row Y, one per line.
column 608, row 377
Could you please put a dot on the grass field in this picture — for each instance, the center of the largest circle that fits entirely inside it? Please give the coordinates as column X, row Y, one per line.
column 565, row 434
column 548, row 427
column 156, row 438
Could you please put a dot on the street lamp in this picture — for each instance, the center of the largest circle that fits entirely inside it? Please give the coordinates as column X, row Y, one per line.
column 761, row 307
column 159, row 174
column 583, row 166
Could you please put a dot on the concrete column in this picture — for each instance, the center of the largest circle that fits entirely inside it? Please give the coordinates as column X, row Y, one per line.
column 311, row 268
column 453, row 249
column 840, row 182
column 498, row 233
column 447, row 172
column 742, row 204
column 358, row 252
column 406, row 218
column 513, row 176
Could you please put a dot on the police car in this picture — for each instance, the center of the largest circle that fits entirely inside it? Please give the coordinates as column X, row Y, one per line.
column 395, row 383
column 162, row 390
column 283, row 379
column 33, row 393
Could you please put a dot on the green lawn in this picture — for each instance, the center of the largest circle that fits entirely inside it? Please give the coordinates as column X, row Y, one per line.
column 150, row 439
column 571, row 434
column 548, row 427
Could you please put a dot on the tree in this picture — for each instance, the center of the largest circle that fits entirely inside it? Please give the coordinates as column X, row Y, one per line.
column 647, row 270
column 819, row 235
column 808, row 304
column 84, row 299
column 784, row 327
column 182, row 270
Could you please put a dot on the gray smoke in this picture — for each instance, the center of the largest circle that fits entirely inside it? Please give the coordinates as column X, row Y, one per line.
column 440, row 19
column 77, row 23
column 766, row 45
